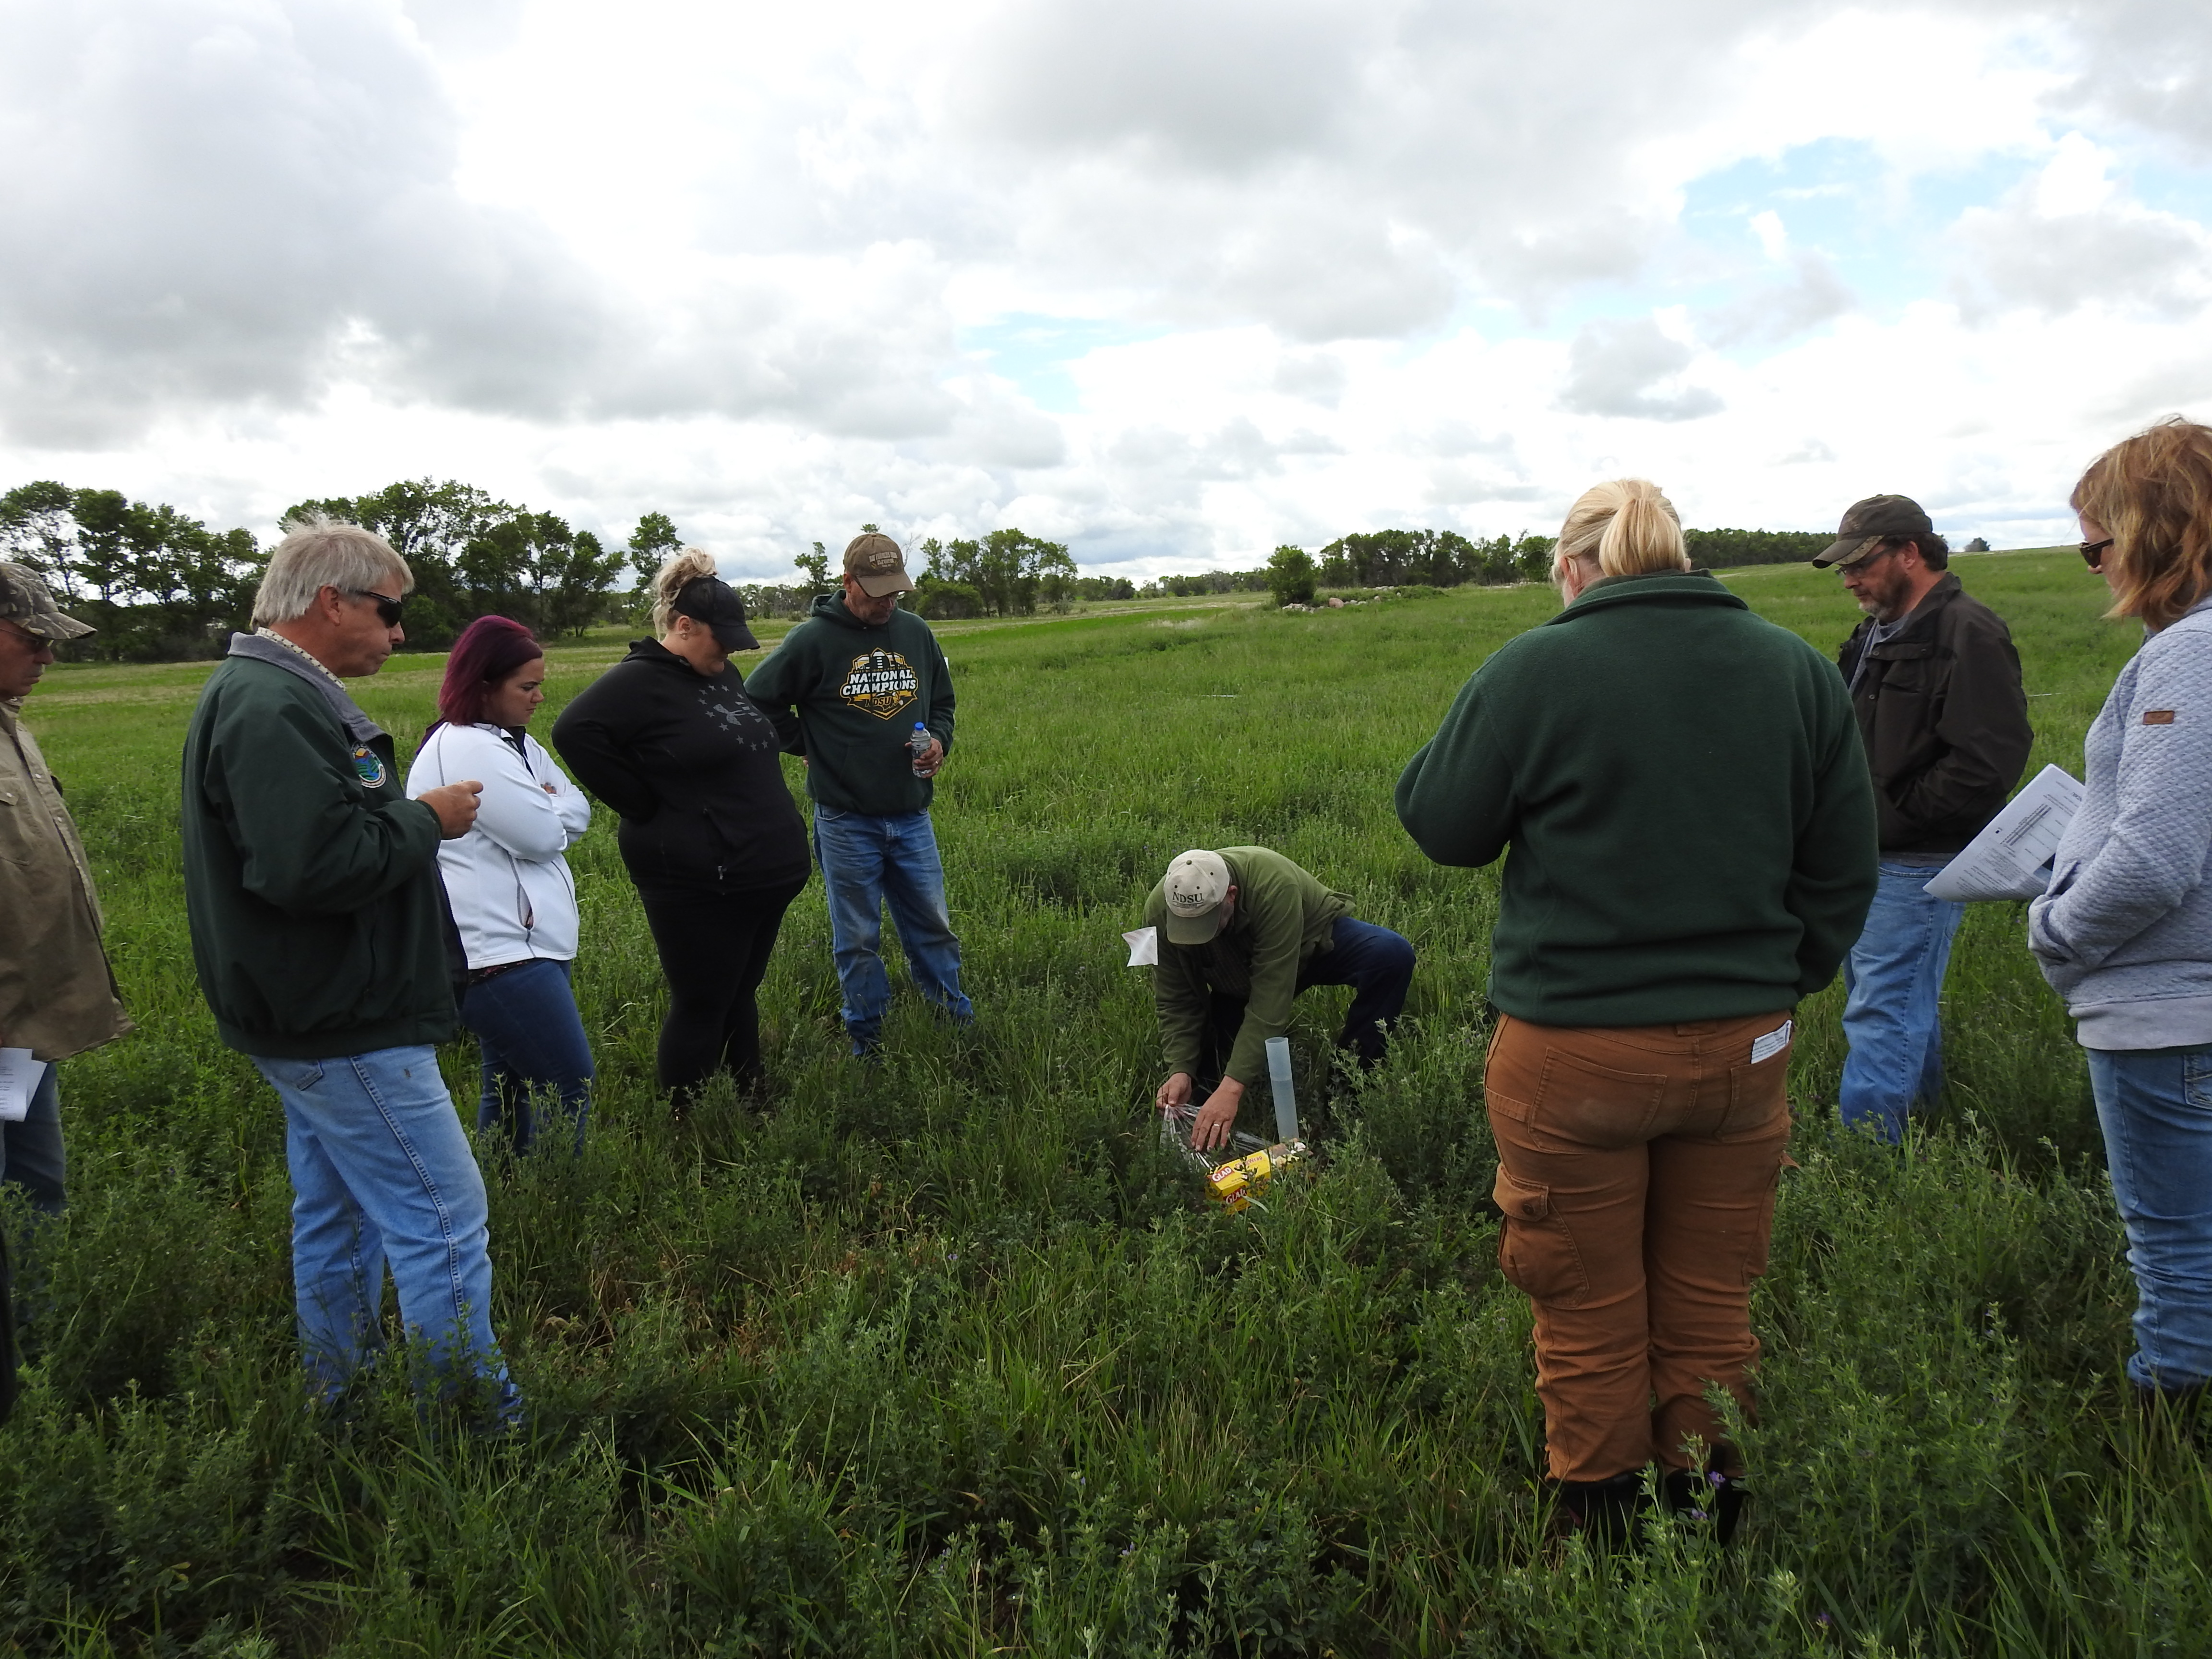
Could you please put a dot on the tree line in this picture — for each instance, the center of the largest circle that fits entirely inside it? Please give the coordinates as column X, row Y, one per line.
column 158, row 585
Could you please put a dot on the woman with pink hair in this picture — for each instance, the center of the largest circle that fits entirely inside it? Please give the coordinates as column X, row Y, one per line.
column 513, row 898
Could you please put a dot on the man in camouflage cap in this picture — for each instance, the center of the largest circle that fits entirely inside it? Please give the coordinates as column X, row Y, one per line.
column 57, row 997
column 1935, row 682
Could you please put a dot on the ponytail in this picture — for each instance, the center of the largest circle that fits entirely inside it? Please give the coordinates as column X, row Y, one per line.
column 1627, row 526
column 677, row 572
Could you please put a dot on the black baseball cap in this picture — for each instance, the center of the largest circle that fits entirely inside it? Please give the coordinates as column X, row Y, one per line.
column 711, row 600
column 1869, row 523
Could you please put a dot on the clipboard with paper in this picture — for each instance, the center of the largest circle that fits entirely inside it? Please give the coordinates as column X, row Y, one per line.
column 2011, row 858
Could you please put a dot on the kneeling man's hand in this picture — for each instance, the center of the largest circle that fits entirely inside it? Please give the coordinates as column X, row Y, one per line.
column 1174, row 1092
column 1217, row 1116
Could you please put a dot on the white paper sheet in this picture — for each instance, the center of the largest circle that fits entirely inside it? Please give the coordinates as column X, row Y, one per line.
column 2011, row 858
column 1144, row 947
column 19, row 1081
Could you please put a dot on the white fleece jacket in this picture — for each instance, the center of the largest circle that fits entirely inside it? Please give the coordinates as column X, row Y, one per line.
column 512, row 894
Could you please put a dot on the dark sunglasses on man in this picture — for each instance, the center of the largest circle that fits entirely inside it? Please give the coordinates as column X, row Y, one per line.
column 2093, row 554
column 388, row 610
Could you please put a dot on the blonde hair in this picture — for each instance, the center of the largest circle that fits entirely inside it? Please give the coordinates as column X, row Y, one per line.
column 2151, row 493
column 676, row 571
column 1627, row 524
column 317, row 553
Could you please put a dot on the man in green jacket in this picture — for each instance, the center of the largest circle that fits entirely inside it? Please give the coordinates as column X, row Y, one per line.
column 861, row 689
column 1240, row 932
column 319, row 932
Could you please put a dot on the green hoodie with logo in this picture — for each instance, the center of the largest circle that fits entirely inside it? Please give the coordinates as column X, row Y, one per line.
column 857, row 691
column 1683, row 789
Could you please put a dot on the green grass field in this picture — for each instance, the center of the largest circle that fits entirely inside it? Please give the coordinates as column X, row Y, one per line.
column 947, row 1358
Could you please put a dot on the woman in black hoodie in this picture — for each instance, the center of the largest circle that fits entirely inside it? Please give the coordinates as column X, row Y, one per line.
column 668, row 737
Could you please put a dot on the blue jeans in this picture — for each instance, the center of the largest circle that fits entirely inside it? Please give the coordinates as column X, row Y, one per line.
column 1375, row 963
column 1893, row 976
column 31, row 1152
column 2155, row 1107
column 532, row 1040
column 868, row 862
column 383, row 1174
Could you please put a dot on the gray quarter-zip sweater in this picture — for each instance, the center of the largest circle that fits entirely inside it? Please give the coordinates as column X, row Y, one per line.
column 2124, row 930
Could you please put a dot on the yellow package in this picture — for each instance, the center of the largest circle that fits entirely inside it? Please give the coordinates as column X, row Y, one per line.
column 1237, row 1183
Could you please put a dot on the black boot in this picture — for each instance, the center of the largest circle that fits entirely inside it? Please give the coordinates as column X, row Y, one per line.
column 1708, row 1498
column 1604, row 1512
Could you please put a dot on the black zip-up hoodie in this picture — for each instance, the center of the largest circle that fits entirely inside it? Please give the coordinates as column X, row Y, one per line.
column 858, row 690
column 690, row 763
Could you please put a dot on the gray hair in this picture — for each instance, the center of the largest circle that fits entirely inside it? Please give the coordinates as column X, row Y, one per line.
column 317, row 553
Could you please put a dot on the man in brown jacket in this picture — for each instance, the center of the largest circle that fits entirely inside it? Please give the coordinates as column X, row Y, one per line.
column 56, row 995
column 1935, row 682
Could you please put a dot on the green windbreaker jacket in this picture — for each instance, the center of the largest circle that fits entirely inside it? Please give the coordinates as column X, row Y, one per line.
column 311, row 880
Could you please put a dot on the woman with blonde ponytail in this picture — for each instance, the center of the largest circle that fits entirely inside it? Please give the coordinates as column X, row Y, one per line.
column 1692, row 837
column 668, row 737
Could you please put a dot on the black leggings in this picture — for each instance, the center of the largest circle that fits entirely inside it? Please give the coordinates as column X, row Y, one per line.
column 714, row 950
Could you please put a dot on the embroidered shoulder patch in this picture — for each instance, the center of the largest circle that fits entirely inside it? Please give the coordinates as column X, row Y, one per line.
column 369, row 767
column 2158, row 717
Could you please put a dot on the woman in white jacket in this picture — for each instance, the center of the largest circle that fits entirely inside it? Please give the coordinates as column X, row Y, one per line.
column 513, row 897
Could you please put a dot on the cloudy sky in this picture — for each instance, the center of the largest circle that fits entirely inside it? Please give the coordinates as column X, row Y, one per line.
column 1171, row 282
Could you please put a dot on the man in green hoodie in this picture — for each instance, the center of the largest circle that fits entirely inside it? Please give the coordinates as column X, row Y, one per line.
column 872, row 696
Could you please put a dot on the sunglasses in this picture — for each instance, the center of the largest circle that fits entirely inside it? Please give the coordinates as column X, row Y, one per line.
column 388, row 610
column 2093, row 554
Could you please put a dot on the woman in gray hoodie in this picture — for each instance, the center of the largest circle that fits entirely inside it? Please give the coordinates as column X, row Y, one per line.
column 2124, row 930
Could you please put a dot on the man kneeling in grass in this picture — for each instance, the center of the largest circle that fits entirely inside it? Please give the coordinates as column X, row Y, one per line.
column 1241, row 932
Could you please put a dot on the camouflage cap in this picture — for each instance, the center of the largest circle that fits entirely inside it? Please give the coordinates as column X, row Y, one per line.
column 25, row 602
column 1868, row 524
column 875, row 562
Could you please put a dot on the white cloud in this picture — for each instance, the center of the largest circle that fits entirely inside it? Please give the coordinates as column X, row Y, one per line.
column 731, row 261
column 2069, row 238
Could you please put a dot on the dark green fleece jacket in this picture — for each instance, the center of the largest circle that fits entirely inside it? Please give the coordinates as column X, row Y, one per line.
column 311, row 880
column 1681, row 783
column 857, row 691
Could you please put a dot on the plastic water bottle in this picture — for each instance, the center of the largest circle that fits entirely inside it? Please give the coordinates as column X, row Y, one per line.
column 918, row 742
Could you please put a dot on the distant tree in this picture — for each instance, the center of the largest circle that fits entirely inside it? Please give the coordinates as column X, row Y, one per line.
column 1721, row 550
column 1008, row 568
column 429, row 525
column 650, row 545
column 817, row 566
column 1291, row 575
column 1976, row 545
column 154, row 583
column 37, row 530
column 581, row 579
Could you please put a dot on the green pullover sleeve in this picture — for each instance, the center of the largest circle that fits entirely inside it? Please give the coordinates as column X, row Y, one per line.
column 779, row 682
column 940, row 719
column 1273, row 909
column 1832, row 877
column 1180, row 994
column 312, row 841
column 1457, row 795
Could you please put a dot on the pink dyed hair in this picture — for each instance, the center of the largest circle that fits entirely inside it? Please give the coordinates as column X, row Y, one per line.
column 489, row 649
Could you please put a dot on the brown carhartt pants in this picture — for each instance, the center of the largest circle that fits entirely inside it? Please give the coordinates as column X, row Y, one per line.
column 1636, row 1173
